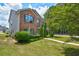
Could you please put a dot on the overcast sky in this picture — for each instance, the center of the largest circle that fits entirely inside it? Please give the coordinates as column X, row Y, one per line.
column 5, row 8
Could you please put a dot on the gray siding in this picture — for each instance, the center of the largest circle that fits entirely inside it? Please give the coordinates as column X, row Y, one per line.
column 13, row 23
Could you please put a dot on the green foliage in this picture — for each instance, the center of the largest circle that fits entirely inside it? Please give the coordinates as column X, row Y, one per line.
column 63, row 18
column 43, row 31
column 25, row 37
column 22, row 37
column 51, row 34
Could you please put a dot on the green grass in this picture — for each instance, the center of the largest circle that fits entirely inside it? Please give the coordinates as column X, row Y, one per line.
column 2, row 36
column 38, row 48
column 41, row 47
column 66, row 39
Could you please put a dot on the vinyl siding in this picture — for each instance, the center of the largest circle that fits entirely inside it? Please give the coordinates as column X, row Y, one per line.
column 13, row 23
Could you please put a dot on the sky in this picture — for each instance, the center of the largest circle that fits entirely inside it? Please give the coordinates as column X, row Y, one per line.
column 5, row 8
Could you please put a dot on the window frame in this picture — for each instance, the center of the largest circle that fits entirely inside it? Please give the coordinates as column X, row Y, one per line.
column 28, row 21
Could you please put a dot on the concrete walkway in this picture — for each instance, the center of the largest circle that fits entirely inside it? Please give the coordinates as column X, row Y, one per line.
column 62, row 42
column 66, row 36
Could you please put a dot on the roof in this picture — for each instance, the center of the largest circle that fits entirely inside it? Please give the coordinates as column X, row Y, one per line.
column 11, row 13
column 20, row 10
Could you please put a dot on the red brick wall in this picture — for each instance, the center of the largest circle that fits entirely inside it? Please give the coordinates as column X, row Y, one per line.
column 23, row 24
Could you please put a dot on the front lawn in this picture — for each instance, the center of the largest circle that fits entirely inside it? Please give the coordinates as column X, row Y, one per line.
column 38, row 48
column 66, row 38
column 41, row 47
column 2, row 36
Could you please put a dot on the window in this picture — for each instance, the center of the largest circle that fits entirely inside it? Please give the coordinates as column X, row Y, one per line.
column 28, row 18
column 38, row 23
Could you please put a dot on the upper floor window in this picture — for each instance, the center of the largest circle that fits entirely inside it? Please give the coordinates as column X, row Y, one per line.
column 38, row 22
column 28, row 18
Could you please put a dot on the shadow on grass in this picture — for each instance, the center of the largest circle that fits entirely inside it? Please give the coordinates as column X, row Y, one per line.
column 68, row 51
column 75, row 39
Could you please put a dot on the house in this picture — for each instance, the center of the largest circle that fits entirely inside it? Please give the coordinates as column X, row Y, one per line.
column 3, row 29
column 24, row 20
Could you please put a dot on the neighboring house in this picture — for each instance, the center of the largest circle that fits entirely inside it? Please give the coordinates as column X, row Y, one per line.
column 24, row 20
column 3, row 29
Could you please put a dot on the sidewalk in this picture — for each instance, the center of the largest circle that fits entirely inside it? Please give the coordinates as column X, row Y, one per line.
column 62, row 42
column 66, row 36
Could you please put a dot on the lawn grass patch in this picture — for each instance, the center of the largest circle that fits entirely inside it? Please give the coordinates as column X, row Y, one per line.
column 66, row 39
column 3, row 36
column 38, row 47
column 71, row 50
column 41, row 47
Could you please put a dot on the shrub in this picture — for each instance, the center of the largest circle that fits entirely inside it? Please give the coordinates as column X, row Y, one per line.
column 43, row 31
column 22, row 37
column 51, row 34
column 35, row 38
column 7, row 35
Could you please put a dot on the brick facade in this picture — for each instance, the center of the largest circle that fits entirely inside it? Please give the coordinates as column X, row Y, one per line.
column 25, row 25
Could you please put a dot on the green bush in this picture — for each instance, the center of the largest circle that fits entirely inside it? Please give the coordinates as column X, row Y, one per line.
column 22, row 37
column 51, row 34
column 42, row 31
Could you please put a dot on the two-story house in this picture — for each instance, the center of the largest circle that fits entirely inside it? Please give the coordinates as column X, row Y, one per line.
column 24, row 20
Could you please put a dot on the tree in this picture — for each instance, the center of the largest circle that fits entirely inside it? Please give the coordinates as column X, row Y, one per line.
column 63, row 18
column 43, row 30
